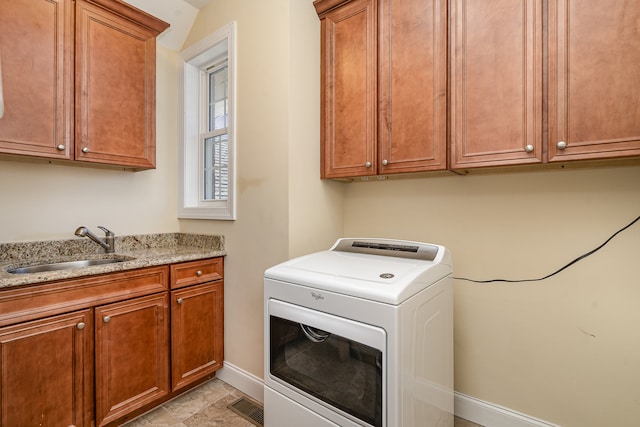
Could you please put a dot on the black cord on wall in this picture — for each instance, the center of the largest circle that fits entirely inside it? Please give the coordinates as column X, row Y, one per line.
column 580, row 258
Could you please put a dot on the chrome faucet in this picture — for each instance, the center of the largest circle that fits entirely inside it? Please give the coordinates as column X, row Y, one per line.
column 108, row 243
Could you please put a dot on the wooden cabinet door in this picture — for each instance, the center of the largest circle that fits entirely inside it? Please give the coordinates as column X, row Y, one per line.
column 594, row 64
column 412, row 86
column 132, row 356
column 496, row 83
column 197, row 325
column 348, row 84
column 196, row 272
column 46, row 369
column 115, row 88
column 36, row 57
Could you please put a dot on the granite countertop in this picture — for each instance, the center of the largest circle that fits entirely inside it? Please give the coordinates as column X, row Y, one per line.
column 138, row 251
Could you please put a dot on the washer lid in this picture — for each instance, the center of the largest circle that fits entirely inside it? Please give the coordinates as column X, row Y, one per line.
column 390, row 278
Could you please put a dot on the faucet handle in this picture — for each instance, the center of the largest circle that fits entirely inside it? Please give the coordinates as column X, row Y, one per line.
column 107, row 232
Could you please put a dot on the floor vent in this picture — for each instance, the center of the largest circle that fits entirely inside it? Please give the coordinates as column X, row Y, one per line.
column 248, row 410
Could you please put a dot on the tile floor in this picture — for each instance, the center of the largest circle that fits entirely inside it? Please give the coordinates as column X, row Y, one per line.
column 203, row 406
column 206, row 406
column 461, row 422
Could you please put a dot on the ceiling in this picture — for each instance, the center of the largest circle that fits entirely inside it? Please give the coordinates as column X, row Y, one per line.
column 199, row 3
column 179, row 13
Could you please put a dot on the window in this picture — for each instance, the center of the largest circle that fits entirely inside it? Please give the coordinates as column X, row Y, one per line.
column 207, row 158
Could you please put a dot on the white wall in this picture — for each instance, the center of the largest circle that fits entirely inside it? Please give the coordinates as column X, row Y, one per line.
column 565, row 350
column 41, row 201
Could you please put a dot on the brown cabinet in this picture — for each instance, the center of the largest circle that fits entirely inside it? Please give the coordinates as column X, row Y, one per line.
column 46, row 371
column 412, row 86
column 594, row 64
column 115, row 84
column 47, row 341
column 348, row 131
column 496, row 83
column 107, row 114
column 132, row 358
column 197, row 320
column 529, row 82
column 196, row 272
column 383, row 86
column 36, row 72
column 100, row 350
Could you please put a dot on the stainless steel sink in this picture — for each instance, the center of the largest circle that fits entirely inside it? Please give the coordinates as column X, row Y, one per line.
column 39, row 268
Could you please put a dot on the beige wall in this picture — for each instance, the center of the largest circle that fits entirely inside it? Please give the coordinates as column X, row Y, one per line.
column 283, row 208
column 567, row 349
column 315, row 206
column 41, row 201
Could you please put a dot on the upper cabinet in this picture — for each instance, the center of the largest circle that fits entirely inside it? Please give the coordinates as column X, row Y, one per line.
column 524, row 82
column 594, row 84
column 115, row 84
column 383, row 86
column 78, row 81
column 348, row 98
column 412, row 86
column 36, row 72
column 496, row 82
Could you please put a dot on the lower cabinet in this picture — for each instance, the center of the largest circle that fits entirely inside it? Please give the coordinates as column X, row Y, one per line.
column 127, row 344
column 46, row 371
column 196, row 333
column 132, row 361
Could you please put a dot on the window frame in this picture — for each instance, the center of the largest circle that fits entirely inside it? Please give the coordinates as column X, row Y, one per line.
column 193, row 97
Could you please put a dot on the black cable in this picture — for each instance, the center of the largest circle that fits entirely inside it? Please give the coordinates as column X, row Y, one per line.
column 580, row 258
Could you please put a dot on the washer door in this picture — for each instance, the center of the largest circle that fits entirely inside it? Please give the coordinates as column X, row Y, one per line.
column 333, row 360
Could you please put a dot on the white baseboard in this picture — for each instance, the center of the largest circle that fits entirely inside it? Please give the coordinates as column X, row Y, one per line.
column 490, row 415
column 467, row 407
column 244, row 381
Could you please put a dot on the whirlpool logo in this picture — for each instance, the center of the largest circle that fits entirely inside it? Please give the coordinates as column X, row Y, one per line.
column 316, row 296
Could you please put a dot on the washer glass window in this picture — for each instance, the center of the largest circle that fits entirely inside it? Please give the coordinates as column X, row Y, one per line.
column 339, row 371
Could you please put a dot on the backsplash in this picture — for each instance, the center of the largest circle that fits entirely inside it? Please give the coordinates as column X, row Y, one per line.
column 70, row 247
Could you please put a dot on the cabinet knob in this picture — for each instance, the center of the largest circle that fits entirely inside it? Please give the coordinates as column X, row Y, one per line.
column 385, row 162
column 561, row 145
column 106, row 319
column 529, row 148
column 85, row 150
column 198, row 273
column 61, row 147
column 367, row 165
column 80, row 325
column 180, row 301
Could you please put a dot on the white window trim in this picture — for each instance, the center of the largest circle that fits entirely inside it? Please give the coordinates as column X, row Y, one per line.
column 190, row 203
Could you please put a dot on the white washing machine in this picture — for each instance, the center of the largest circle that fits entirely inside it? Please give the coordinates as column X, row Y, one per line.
column 360, row 335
